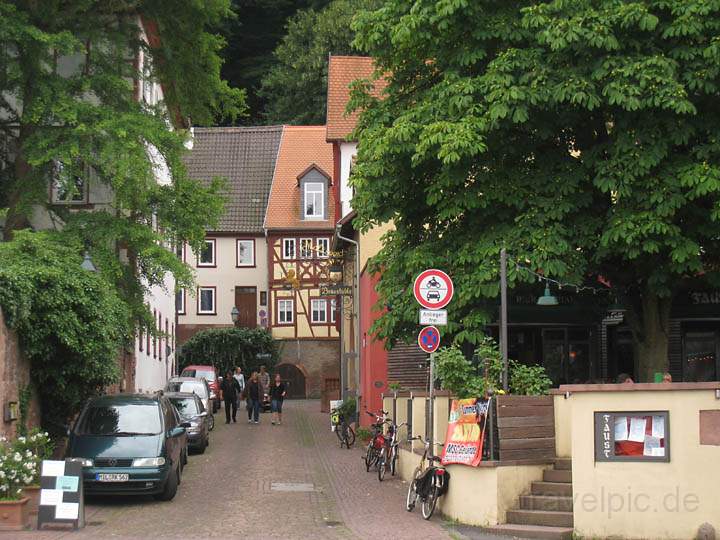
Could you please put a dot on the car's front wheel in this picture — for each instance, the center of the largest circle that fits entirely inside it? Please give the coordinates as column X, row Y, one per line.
column 171, row 486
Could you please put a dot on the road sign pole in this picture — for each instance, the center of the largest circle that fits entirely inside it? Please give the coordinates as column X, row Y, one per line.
column 431, row 413
column 503, row 317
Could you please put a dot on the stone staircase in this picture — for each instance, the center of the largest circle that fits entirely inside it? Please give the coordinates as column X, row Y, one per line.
column 547, row 512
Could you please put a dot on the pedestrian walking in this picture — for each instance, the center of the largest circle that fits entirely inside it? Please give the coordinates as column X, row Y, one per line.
column 264, row 378
column 253, row 390
column 240, row 378
column 277, row 395
column 229, row 391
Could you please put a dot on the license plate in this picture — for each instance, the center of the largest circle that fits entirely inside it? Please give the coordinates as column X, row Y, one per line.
column 112, row 477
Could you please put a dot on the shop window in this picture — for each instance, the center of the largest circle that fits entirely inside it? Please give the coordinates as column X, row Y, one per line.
column 700, row 356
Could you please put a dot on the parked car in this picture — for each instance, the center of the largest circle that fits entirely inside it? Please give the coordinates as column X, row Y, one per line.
column 130, row 444
column 194, row 386
column 192, row 410
column 209, row 373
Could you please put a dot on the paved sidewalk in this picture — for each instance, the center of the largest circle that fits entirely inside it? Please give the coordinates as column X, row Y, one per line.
column 263, row 481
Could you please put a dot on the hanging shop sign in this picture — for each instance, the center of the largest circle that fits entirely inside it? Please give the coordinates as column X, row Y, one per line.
column 335, row 289
column 466, row 432
column 433, row 289
column 632, row 436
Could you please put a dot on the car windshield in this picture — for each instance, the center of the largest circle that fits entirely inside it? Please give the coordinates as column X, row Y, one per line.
column 199, row 373
column 188, row 386
column 185, row 406
column 122, row 419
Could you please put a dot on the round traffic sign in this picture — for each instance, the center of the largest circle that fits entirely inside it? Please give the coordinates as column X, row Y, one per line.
column 433, row 289
column 429, row 339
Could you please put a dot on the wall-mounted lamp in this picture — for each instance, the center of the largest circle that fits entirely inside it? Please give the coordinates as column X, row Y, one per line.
column 11, row 411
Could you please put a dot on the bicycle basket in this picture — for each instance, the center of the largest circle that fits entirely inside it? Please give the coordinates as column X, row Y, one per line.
column 424, row 483
column 335, row 418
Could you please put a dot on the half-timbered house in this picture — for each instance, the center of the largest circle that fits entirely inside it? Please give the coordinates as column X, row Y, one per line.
column 299, row 225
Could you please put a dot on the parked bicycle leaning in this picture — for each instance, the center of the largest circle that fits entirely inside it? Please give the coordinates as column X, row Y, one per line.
column 377, row 440
column 429, row 483
column 343, row 430
column 390, row 452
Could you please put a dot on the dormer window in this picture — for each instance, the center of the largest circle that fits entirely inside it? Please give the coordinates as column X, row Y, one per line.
column 314, row 184
column 314, row 200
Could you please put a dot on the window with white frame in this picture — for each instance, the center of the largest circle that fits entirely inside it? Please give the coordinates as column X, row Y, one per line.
column 323, row 247
column 288, row 248
column 207, row 255
column 180, row 301
column 306, row 248
column 68, row 187
column 206, row 301
column 319, row 310
column 314, row 200
column 246, row 253
column 333, row 310
column 286, row 311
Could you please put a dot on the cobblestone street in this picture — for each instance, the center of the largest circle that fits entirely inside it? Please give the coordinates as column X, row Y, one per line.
column 265, row 481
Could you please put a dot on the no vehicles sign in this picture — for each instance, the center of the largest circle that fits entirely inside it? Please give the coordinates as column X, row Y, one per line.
column 433, row 289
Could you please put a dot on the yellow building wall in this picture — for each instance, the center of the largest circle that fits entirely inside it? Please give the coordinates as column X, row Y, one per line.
column 645, row 500
column 371, row 242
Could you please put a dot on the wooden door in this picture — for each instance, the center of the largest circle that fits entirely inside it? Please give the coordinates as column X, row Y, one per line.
column 246, row 302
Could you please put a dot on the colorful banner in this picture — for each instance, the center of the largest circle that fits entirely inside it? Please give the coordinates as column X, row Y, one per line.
column 466, row 432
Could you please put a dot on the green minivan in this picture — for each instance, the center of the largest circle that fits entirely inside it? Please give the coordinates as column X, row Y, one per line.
column 131, row 444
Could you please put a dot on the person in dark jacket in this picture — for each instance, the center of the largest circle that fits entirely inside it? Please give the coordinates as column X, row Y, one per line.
column 229, row 392
column 254, row 394
column 277, row 395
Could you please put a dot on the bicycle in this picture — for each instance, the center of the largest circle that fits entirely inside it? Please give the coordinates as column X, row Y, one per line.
column 389, row 453
column 344, row 432
column 428, row 484
column 377, row 441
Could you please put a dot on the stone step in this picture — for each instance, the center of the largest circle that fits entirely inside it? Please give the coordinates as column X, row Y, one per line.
column 546, row 502
column 563, row 464
column 545, row 518
column 532, row 531
column 551, row 475
column 551, row 488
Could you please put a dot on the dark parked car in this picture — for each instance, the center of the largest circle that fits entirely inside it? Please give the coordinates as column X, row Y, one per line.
column 130, row 444
column 194, row 386
column 191, row 410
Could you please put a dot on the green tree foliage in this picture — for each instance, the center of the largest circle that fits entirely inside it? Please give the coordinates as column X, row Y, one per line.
column 582, row 136
column 252, row 37
column 294, row 88
column 528, row 380
column 71, row 323
column 68, row 107
column 226, row 348
column 466, row 379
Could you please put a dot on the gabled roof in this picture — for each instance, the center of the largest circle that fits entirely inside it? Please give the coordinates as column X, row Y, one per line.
column 301, row 148
column 342, row 71
column 245, row 157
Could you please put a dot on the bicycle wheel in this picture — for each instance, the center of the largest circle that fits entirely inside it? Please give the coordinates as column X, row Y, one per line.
column 411, row 495
column 428, row 505
column 370, row 457
column 350, row 437
column 382, row 464
column 393, row 461
column 338, row 432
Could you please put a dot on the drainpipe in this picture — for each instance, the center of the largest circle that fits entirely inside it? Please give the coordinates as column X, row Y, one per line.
column 356, row 307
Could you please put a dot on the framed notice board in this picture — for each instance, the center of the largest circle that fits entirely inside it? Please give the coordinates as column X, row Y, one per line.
column 61, row 494
column 632, row 436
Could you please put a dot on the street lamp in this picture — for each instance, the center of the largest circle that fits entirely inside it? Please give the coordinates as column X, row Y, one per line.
column 234, row 314
column 87, row 263
column 547, row 299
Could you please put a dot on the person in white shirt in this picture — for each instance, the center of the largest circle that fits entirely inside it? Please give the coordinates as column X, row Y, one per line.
column 240, row 378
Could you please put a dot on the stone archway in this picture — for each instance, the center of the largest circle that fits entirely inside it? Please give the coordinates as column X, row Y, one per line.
column 294, row 378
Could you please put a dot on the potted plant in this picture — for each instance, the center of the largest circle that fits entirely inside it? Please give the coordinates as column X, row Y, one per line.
column 40, row 447
column 16, row 471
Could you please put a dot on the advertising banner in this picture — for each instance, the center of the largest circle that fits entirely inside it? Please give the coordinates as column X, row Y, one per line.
column 466, row 432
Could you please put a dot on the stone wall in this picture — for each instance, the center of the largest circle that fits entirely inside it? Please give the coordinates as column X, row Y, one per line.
column 318, row 359
column 15, row 370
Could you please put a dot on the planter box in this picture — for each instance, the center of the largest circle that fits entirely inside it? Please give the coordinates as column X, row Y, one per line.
column 32, row 493
column 526, row 427
column 14, row 515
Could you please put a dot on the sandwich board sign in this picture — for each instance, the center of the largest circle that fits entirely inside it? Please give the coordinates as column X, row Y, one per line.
column 61, row 493
column 433, row 289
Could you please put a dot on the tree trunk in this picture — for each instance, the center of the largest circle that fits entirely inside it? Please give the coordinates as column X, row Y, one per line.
column 651, row 343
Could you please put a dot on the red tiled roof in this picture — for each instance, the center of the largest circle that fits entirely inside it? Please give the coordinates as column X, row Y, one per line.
column 300, row 148
column 342, row 71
